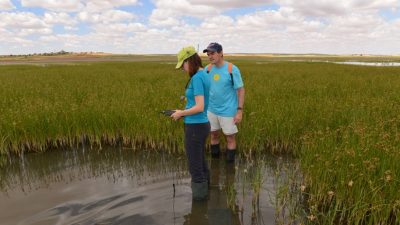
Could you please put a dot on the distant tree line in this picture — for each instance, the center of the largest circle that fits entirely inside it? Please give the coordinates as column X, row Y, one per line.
column 62, row 52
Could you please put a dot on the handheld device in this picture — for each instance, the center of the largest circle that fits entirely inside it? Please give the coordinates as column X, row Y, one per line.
column 168, row 112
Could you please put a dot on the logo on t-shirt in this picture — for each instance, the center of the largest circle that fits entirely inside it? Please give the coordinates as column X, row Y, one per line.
column 216, row 77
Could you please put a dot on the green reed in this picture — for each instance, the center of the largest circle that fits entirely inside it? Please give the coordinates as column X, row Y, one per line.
column 341, row 121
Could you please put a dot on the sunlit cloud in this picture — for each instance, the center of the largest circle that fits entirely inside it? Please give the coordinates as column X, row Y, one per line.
column 164, row 26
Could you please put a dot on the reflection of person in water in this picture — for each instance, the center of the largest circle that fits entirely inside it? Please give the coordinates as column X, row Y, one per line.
column 215, row 211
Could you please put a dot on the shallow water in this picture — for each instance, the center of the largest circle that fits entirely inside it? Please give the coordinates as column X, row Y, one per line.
column 371, row 63
column 379, row 64
column 118, row 186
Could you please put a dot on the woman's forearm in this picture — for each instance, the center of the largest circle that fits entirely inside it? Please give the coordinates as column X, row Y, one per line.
column 197, row 108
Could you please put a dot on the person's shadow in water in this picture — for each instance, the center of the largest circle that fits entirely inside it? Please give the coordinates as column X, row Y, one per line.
column 215, row 210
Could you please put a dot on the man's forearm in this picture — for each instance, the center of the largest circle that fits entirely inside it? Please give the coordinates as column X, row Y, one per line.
column 240, row 93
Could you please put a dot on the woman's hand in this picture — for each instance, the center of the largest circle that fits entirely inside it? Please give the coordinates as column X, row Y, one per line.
column 177, row 114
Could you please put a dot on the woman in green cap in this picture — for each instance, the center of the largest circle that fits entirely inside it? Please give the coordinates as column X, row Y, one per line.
column 197, row 126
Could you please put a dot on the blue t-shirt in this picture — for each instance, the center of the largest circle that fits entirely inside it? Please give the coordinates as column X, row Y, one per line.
column 223, row 95
column 198, row 85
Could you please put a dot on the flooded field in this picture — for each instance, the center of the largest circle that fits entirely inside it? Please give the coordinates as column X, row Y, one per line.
column 118, row 186
column 340, row 121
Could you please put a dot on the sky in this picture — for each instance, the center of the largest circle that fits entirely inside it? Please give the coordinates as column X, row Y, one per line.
column 165, row 26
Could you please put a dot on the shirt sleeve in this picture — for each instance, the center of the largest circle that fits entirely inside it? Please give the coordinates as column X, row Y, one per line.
column 237, row 78
column 198, row 87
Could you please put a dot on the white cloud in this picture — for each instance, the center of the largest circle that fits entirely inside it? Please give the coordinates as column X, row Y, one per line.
column 18, row 26
column 41, row 31
column 119, row 29
column 6, row 5
column 328, row 8
column 228, row 4
column 5, row 34
column 55, row 5
column 275, row 19
column 19, row 42
column 327, row 26
column 15, row 44
column 77, row 5
column 48, row 38
column 169, row 12
column 184, row 7
column 21, row 20
column 217, row 22
column 375, row 4
column 355, row 24
column 100, row 5
column 108, row 16
column 288, row 31
column 164, row 17
column 59, row 18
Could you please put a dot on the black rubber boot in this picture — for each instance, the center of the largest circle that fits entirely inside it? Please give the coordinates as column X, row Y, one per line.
column 215, row 151
column 230, row 155
column 200, row 191
column 208, row 180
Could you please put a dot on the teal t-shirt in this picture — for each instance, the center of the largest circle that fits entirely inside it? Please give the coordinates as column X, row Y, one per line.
column 223, row 95
column 198, row 85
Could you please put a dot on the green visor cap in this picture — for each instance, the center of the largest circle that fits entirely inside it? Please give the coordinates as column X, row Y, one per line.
column 183, row 54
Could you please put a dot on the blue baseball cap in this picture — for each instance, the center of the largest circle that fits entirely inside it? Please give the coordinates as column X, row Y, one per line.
column 213, row 47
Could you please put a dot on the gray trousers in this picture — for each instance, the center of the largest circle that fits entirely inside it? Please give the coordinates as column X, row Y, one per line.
column 195, row 142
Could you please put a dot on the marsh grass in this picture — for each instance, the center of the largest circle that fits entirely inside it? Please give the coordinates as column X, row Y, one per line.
column 63, row 106
column 340, row 121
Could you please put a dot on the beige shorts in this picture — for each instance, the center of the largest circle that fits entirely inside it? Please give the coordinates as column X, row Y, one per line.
column 221, row 122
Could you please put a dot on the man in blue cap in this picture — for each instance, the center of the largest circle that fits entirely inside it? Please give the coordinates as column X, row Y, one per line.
column 225, row 108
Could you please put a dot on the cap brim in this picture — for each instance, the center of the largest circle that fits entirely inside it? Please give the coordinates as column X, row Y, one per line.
column 209, row 50
column 179, row 64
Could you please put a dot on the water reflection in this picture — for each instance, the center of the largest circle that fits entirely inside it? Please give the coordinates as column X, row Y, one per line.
column 216, row 209
column 39, row 170
column 118, row 186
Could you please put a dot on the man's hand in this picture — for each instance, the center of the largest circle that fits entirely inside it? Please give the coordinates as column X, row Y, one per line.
column 238, row 117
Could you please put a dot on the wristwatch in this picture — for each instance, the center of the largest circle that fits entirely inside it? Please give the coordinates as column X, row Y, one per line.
column 239, row 108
